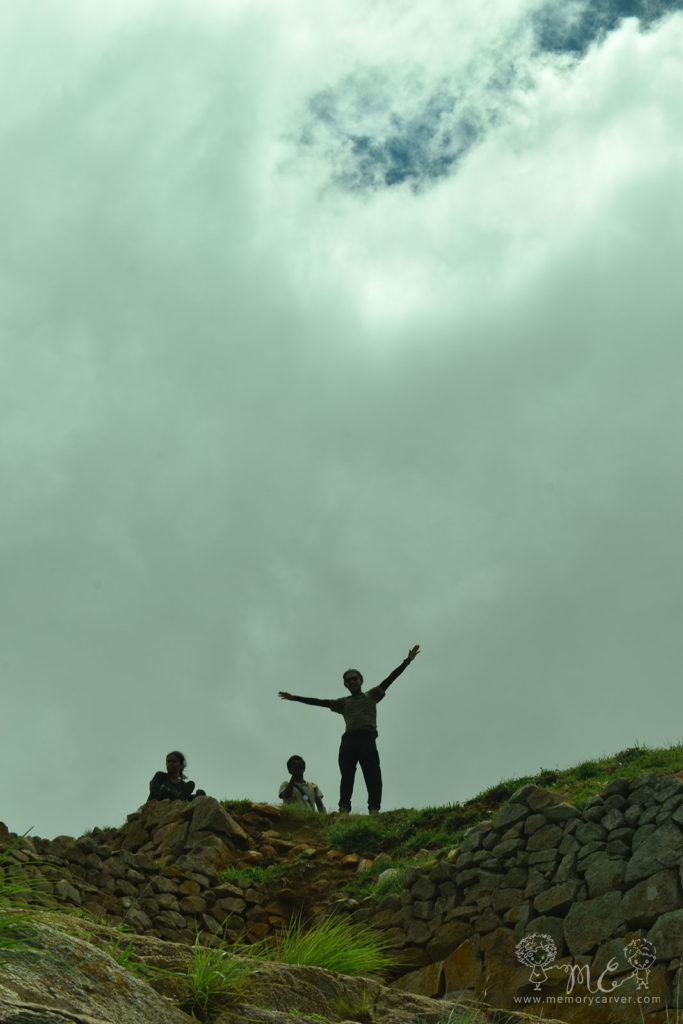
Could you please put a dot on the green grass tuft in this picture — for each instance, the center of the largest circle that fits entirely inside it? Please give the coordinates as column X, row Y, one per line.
column 242, row 804
column 587, row 770
column 214, row 979
column 16, row 888
column 253, row 874
column 404, row 831
column 124, row 955
column 361, row 1011
column 368, row 883
column 358, row 833
column 337, row 945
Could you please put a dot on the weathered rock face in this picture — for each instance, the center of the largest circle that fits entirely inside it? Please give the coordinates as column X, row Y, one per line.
column 68, row 980
column 542, row 883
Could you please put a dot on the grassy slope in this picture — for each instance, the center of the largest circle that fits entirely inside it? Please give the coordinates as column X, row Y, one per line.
column 411, row 836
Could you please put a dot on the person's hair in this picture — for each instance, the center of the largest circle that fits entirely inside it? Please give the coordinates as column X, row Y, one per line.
column 295, row 757
column 183, row 762
column 359, row 674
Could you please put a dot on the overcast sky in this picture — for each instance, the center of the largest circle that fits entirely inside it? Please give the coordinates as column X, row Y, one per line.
column 325, row 330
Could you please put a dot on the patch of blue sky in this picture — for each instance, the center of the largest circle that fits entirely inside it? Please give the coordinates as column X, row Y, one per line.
column 378, row 138
column 416, row 150
column 372, row 145
column 563, row 26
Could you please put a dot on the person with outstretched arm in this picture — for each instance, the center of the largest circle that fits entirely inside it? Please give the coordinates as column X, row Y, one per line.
column 358, row 744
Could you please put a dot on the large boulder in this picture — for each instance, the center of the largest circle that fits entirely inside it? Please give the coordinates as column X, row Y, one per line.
column 66, row 979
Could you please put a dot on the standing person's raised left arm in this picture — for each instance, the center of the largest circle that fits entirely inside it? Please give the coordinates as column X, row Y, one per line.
column 412, row 654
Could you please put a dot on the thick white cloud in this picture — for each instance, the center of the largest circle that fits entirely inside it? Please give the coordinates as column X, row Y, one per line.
column 257, row 428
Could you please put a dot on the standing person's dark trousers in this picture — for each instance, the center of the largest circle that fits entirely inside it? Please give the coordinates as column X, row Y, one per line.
column 359, row 747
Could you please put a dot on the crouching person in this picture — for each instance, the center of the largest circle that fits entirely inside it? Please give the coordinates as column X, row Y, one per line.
column 296, row 790
column 172, row 784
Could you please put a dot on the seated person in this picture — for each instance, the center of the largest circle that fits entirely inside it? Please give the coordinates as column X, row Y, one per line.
column 299, row 792
column 171, row 784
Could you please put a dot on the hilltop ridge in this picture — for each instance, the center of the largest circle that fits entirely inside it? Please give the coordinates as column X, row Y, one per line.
column 592, row 861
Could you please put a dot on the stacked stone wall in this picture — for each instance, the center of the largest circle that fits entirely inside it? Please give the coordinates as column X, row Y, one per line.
column 591, row 888
column 160, row 875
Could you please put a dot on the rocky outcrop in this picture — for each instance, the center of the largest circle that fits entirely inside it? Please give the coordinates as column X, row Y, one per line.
column 64, row 979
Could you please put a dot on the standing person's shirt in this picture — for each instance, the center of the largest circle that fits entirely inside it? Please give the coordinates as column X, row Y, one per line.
column 303, row 794
column 359, row 709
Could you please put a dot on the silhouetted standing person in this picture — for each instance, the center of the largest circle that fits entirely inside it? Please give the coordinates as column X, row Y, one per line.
column 358, row 744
